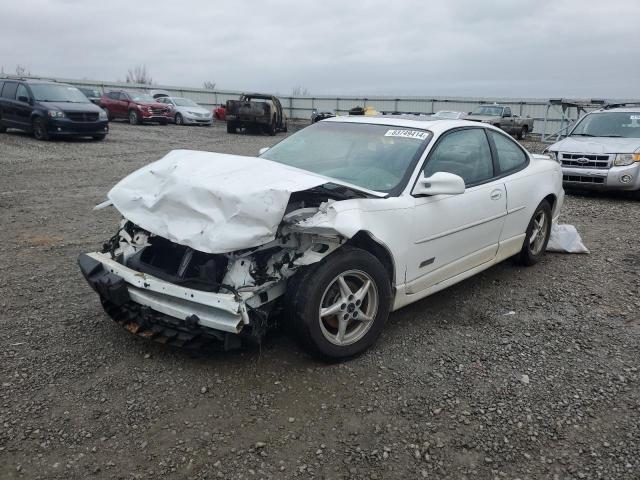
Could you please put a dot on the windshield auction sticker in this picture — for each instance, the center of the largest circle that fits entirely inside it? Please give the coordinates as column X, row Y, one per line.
column 415, row 134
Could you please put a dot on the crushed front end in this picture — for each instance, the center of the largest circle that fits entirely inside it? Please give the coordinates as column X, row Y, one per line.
column 173, row 294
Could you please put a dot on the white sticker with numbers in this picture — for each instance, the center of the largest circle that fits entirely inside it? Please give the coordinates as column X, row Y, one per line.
column 415, row 134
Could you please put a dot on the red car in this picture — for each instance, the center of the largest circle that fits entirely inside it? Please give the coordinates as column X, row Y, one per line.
column 220, row 113
column 138, row 107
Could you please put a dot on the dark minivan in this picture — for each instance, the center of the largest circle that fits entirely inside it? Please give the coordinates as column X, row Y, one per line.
column 49, row 109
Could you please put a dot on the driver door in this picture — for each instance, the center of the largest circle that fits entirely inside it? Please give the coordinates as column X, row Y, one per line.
column 455, row 233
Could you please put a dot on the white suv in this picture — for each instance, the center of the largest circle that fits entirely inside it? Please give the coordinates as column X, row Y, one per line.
column 602, row 151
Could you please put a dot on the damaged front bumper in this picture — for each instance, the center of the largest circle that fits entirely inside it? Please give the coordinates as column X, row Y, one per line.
column 146, row 301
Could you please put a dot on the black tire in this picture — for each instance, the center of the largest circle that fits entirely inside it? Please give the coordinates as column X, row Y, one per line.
column 285, row 129
column 522, row 134
column 179, row 119
column 3, row 129
column 272, row 127
column 313, row 285
column 231, row 127
column 532, row 249
column 39, row 129
column 134, row 118
column 99, row 138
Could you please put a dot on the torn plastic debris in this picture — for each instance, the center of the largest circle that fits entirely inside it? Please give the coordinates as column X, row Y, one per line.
column 565, row 239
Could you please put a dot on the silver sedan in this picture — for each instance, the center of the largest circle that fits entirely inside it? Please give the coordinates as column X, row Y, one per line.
column 187, row 112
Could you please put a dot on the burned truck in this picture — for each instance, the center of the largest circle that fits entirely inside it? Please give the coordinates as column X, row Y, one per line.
column 258, row 111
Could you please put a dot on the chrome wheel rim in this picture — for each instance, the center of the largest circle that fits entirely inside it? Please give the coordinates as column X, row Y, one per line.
column 133, row 118
column 348, row 307
column 539, row 232
column 179, row 119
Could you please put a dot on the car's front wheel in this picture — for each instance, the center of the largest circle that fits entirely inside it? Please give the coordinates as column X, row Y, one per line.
column 537, row 235
column 39, row 129
column 134, row 118
column 340, row 305
column 179, row 119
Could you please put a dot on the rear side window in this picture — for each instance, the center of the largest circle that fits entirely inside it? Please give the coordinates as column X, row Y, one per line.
column 114, row 95
column 22, row 92
column 9, row 90
column 465, row 153
column 510, row 155
column 123, row 96
column 1, row 85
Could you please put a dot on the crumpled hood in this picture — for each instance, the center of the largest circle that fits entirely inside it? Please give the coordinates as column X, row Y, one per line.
column 596, row 145
column 212, row 202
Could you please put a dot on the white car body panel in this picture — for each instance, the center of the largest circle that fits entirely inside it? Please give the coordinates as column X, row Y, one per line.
column 218, row 203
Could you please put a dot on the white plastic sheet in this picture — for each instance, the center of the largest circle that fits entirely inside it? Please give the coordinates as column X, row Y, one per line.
column 565, row 239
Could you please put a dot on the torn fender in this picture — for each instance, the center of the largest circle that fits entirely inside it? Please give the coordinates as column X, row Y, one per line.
column 212, row 202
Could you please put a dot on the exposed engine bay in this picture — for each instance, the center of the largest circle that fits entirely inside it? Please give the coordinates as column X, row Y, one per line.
column 253, row 279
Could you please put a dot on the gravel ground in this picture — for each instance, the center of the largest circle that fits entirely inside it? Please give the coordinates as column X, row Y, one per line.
column 528, row 373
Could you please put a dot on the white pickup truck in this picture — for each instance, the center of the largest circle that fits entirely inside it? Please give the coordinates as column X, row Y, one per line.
column 602, row 151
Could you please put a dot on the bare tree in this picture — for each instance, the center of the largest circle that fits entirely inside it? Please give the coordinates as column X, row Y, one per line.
column 300, row 91
column 139, row 74
column 209, row 85
column 22, row 71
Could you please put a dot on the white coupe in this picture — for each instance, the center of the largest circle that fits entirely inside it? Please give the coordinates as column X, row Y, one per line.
column 328, row 231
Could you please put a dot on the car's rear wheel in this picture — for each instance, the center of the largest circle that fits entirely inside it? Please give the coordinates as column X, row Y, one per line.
column 340, row 305
column 537, row 235
column 272, row 127
column 2, row 127
column 134, row 118
column 39, row 129
column 522, row 134
column 179, row 119
column 231, row 127
column 99, row 137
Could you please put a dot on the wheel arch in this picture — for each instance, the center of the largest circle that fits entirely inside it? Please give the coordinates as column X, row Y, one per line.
column 366, row 241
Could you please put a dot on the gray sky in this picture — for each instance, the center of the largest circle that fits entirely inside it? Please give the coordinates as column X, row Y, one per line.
column 541, row 48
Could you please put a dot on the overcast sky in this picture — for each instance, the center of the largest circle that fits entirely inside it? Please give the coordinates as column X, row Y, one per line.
column 541, row 48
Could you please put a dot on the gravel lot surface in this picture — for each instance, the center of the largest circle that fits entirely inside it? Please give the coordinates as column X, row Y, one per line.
column 528, row 373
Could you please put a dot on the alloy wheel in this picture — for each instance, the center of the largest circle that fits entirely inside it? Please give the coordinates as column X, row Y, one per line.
column 539, row 232
column 348, row 307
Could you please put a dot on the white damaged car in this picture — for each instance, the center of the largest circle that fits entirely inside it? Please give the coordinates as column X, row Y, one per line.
column 329, row 230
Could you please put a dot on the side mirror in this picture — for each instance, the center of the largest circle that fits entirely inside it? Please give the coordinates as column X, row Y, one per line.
column 440, row 183
column 262, row 150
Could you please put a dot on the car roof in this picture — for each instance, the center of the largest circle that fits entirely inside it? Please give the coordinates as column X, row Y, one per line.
column 635, row 109
column 436, row 126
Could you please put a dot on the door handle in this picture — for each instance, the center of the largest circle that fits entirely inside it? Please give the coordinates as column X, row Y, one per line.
column 496, row 195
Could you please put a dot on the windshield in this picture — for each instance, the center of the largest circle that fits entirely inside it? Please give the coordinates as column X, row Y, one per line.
column 44, row 92
column 90, row 92
column 185, row 102
column 609, row 124
column 491, row 111
column 376, row 157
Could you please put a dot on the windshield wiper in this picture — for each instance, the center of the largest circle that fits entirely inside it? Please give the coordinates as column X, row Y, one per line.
column 581, row 135
column 612, row 136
